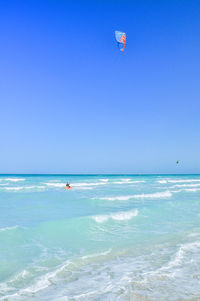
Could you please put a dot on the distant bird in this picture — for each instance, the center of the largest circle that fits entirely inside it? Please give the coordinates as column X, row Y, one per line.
column 177, row 162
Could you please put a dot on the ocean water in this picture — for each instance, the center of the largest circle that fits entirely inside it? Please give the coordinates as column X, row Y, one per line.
column 109, row 238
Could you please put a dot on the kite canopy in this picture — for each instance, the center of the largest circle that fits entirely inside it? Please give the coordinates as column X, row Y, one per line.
column 121, row 39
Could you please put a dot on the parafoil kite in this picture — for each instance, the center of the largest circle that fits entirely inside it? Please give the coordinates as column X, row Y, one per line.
column 121, row 39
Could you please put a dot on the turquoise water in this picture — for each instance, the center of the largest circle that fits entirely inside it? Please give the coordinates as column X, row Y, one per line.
column 109, row 238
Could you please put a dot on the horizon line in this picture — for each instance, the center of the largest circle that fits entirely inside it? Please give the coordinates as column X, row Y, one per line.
column 96, row 174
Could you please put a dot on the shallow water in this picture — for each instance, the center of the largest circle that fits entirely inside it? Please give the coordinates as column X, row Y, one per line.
column 109, row 238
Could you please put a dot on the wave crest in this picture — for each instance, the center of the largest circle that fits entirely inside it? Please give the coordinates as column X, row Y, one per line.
column 15, row 179
column 178, row 181
column 165, row 194
column 120, row 216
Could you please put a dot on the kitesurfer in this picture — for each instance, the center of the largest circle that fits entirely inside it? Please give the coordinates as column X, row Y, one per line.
column 68, row 186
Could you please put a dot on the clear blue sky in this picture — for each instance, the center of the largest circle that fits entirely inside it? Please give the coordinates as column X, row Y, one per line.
column 70, row 102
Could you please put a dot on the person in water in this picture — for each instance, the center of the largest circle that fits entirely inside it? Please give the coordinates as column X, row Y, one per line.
column 68, row 186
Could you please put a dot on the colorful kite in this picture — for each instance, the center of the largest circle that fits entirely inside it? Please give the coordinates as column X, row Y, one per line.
column 121, row 39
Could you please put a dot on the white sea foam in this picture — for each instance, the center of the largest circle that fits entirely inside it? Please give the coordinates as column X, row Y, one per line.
column 127, row 182
column 83, row 186
column 8, row 228
column 120, row 216
column 192, row 189
column 96, row 255
column 74, row 184
column 104, row 180
column 13, row 188
column 186, row 190
column 165, row 194
column 120, row 182
column 22, row 188
column 20, row 276
column 14, row 179
column 193, row 234
column 138, row 181
column 100, row 218
column 178, row 181
column 186, row 185
column 180, row 254
column 46, row 280
column 88, row 184
column 85, row 296
column 131, row 181
column 41, row 283
column 186, row 181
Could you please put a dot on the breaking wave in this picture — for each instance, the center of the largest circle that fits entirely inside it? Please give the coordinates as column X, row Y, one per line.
column 186, row 185
column 165, row 194
column 96, row 255
column 127, row 182
column 104, row 180
column 17, row 188
column 15, row 179
column 89, row 184
column 41, row 283
column 186, row 190
column 83, row 186
column 44, row 281
column 178, row 181
column 179, row 257
column 8, row 228
column 120, row 216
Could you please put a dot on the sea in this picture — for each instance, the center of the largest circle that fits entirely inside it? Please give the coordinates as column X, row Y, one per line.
column 110, row 237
